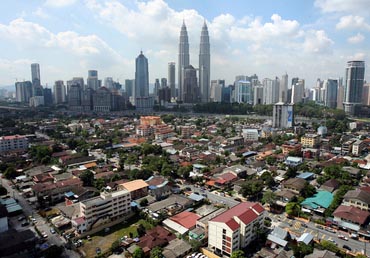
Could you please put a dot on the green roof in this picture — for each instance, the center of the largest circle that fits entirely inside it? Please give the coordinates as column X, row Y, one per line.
column 320, row 199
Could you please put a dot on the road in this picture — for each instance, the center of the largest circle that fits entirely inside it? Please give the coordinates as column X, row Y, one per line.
column 41, row 223
column 214, row 198
column 299, row 228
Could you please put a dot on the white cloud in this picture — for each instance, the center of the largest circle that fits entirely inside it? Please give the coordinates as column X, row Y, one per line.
column 358, row 38
column 39, row 12
column 316, row 41
column 59, row 3
column 328, row 6
column 352, row 22
column 89, row 50
column 357, row 56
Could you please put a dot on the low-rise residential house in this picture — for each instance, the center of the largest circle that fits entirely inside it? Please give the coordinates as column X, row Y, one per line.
column 238, row 170
column 158, row 187
column 331, row 185
column 107, row 207
column 293, row 161
column 157, row 236
column 137, row 188
column 318, row 203
column 357, row 147
column 54, row 192
column 357, row 198
column 347, row 146
column 351, row 217
column 278, row 238
column 177, row 248
column 294, row 184
column 182, row 222
column 235, row 228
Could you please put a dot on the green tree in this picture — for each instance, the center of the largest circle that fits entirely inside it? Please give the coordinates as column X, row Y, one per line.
column 327, row 245
column 87, row 178
column 144, row 202
column 115, row 245
column 195, row 245
column 301, row 250
column 10, row 172
column 237, row 254
column 308, row 190
column 156, row 252
column 292, row 208
column 271, row 160
column 268, row 197
column 138, row 253
column 252, row 188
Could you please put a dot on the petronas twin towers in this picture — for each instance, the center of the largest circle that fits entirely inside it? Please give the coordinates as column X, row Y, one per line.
column 190, row 90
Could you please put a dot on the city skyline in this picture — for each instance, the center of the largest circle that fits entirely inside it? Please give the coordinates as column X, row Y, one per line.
column 309, row 40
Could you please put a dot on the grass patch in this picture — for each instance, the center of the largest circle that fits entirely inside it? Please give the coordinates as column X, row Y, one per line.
column 105, row 240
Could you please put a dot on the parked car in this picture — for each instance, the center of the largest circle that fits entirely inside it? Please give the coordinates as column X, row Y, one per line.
column 25, row 223
column 347, row 247
column 44, row 235
column 98, row 250
column 52, row 230
column 21, row 218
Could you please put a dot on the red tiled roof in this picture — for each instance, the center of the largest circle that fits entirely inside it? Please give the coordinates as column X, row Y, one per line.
column 245, row 211
column 365, row 188
column 352, row 214
column 232, row 224
column 226, row 178
column 186, row 219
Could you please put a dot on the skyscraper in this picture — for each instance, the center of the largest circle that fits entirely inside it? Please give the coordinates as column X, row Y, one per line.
column 36, row 82
column 243, row 92
column 330, row 87
column 298, row 90
column 59, row 92
column 190, row 84
column 172, row 79
column 129, row 87
column 216, row 90
column 283, row 115
column 271, row 91
column 204, row 64
column 141, row 77
column 283, row 90
column 92, row 79
column 142, row 99
column 355, row 73
column 23, row 91
column 184, row 59
column 35, row 73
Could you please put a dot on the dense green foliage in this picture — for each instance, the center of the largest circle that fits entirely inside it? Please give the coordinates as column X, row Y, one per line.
column 337, row 200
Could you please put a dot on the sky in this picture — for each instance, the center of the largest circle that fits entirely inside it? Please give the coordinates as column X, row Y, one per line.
column 306, row 39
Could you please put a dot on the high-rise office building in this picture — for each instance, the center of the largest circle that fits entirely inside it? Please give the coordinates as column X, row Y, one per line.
column 243, row 92
column 366, row 95
column 157, row 86
column 258, row 94
column 142, row 99
column 283, row 89
column 92, row 80
column 74, row 97
column 271, row 91
column 129, row 88
column 355, row 74
column 141, row 77
column 35, row 73
column 163, row 82
column 204, row 64
column 48, row 97
column 330, row 90
column 59, row 92
column 190, row 85
column 216, row 90
column 184, row 59
column 23, row 91
column 172, row 79
column 87, row 99
column 108, row 82
column 75, row 81
column 340, row 97
column 298, row 90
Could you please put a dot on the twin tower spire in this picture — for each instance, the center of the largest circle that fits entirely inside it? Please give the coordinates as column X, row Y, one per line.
column 204, row 62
